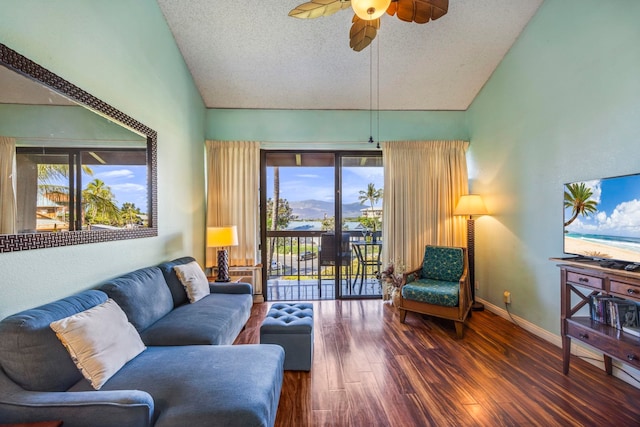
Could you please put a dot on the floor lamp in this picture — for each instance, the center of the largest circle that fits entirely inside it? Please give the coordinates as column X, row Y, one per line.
column 222, row 237
column 469, row 205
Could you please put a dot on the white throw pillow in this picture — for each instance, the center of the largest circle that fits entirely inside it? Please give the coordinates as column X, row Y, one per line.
column 100, row 341
column 194, row 280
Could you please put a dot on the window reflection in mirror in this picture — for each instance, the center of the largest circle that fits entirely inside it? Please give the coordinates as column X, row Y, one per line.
column 73, row 169
column 66, row 189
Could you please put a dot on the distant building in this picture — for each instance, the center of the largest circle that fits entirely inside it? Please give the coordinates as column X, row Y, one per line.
column 372, row 213
column 51, row 212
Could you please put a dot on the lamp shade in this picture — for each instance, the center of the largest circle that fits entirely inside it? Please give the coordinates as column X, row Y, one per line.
column 218, row 237
column 370, row 9
column 470, row 204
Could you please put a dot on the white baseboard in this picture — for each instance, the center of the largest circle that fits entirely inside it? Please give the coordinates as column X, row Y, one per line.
column 629, row 375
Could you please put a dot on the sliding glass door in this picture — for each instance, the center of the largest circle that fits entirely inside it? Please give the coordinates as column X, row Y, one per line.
column 309, row 228
column 362, row 179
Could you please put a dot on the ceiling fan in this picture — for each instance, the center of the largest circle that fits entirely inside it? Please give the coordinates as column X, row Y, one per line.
column 366, row 20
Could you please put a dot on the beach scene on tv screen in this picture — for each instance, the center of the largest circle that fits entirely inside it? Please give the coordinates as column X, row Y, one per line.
column 602, row 218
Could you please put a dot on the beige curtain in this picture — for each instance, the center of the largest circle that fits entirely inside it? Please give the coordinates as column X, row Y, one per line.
column 7, row 185
column 233, row 179
column 422, row 183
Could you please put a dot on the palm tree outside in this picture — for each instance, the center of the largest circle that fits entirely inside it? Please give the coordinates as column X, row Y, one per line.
column 99, row 204
column 130, row 214
column 373, row 196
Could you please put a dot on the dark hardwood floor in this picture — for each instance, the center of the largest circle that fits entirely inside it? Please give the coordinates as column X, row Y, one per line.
column 371, row 370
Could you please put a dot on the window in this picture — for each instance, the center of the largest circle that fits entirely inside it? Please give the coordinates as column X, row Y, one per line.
column 67, row 189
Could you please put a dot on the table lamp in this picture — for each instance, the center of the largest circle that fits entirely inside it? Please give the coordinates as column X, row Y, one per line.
column 469, row 205
column 222, row 237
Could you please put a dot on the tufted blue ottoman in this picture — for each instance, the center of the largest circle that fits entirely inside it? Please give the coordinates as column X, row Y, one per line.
column 290, row 325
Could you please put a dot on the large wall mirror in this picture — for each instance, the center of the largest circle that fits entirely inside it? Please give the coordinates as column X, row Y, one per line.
column 73, row 169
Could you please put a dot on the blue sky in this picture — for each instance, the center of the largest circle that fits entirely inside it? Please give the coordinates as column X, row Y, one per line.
column 618, row 208
column 317, row 183
column 128, row 183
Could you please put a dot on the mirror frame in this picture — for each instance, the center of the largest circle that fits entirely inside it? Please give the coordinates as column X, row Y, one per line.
column 20, row 242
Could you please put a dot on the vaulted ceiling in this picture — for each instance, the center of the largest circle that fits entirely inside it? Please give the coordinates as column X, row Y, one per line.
column 251, row 54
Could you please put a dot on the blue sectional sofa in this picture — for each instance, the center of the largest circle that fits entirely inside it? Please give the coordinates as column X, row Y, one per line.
column 188, row 374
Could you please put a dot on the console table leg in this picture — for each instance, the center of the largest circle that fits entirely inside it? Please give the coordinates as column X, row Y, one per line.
column 566, row 354
column 607, row 365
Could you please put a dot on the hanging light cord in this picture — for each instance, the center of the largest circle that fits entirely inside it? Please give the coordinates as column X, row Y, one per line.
column 370, row 96
column 378, row 94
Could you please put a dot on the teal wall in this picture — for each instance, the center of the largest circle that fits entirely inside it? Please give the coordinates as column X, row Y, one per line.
column 68, row 125
column 122, row 52
column 562, row 106
column 345, row 129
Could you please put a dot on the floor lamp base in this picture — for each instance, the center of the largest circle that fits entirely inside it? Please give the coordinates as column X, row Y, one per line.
column 477, row 306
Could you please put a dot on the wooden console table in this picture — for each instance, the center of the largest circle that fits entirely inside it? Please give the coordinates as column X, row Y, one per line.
column 586, row 278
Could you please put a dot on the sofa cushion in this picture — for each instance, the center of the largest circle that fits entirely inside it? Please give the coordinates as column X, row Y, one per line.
column 215, row 319
column 142, row 294
column 200, row 386
column 31, row 354
column 99, row 340
column 178, row 292
column 194, row 280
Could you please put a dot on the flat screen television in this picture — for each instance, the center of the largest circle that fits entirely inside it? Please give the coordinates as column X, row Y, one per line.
column 602, row 219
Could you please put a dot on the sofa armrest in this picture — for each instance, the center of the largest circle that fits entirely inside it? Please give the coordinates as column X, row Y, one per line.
column 75, row 409
column 231, row 288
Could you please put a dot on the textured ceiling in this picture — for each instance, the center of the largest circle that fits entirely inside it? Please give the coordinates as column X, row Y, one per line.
column 251, row 54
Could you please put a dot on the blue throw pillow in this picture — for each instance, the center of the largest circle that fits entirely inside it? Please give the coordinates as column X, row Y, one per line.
column 142, row 294
column 178, row 292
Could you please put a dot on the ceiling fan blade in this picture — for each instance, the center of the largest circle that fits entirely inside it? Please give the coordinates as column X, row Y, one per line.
column 318, row 8
column 393, row 7
column 362, row 33
column 421, row 11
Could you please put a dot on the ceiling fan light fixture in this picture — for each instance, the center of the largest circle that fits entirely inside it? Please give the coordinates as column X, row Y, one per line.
column 370, row 9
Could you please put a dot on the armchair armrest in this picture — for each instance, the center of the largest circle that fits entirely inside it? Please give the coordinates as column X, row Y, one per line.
column 465, row 291
column 82, row 408
column 410, row 276
column 230, row 288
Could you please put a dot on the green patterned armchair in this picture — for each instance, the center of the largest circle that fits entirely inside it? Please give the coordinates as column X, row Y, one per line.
column 440, row 287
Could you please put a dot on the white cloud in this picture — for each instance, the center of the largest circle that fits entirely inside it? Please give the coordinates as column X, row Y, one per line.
column 129, row 188
column 625, row 216
column 596, row 189
column 601, row 217
column 115, row 174
column 623, row 221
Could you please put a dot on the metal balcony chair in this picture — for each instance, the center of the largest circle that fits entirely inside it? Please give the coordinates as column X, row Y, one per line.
column 440, row 287
column 327, row 255
column 364, row 262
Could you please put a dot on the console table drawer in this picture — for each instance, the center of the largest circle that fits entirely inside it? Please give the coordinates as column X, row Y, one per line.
column 628, row 353
column 603, row 340
column 584, row 334
column 627, row 290
column 585, row 280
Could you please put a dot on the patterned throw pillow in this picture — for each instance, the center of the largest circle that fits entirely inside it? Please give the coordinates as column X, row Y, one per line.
column 99, row 340
column 194, row 280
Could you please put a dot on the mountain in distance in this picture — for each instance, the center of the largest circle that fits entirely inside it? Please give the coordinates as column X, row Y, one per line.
column 316, row 209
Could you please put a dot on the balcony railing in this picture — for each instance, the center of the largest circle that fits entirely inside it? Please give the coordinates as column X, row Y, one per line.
column 294, row 259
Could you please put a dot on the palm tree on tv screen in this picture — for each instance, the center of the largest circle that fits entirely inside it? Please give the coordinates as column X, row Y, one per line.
column 576, row 197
